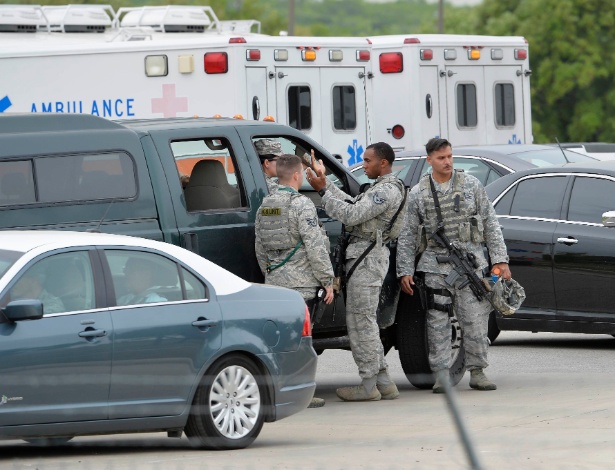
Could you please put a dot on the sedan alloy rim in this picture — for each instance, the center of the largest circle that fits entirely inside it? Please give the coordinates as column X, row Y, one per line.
column 234, row 402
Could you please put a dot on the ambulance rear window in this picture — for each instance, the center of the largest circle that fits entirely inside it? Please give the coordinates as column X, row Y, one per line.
column 300, row 107
column 344, row 108
column 466, row 105
column 504, row 104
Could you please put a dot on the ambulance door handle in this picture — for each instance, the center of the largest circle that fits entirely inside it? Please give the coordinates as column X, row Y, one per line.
column 450, row 73
column 282, row 75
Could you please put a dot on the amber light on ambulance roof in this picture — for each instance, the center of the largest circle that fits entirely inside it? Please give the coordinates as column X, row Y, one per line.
column 391, row 62
column 216, row 62
column 308, row 55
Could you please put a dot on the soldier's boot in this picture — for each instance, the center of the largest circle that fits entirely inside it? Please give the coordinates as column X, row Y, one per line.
column 479, row 381
column 367, row 391
column 386, row 387
column 441, row 376
column 316, row 402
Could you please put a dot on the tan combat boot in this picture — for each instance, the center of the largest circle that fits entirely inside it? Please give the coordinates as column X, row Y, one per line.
column 479, row 381
column 441, row 376
column 367, row 391
column 386, row 387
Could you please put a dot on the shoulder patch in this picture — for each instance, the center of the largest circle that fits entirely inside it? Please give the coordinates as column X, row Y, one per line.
column 312, row 221
column 378, row 199
column 271, row 211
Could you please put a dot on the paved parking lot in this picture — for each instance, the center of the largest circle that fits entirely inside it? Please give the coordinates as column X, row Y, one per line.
column 554, row 408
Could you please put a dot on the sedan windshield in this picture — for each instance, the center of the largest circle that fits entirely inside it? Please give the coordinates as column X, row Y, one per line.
column 544, row 158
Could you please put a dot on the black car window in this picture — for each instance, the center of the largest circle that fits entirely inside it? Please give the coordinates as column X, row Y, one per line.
column 590, row 198
column 502, row 207
column 62, row 282
column 143, row 277
column 539, row 197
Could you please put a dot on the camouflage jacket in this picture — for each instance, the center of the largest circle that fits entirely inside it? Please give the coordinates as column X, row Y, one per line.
column 272, row 184
column 310, row 266
column 475, row 203
column 369, row 212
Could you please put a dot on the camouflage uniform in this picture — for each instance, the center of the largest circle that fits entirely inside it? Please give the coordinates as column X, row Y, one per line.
column 366, row 218
column 474, row 222
column 266, row 147
column 284, row 219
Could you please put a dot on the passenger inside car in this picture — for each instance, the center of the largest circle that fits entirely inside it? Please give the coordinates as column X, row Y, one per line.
column 139, row 279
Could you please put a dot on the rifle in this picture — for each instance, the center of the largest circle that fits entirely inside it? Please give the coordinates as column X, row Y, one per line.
column 464, row 265
column 339, row 261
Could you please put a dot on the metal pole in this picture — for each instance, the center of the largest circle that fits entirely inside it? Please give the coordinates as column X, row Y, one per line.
column 440, row 16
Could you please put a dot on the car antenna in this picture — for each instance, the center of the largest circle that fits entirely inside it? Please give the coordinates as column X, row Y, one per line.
column 97, row 229
column 563, row 153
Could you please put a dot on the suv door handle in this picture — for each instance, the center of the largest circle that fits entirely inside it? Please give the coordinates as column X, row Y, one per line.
column 568, row 241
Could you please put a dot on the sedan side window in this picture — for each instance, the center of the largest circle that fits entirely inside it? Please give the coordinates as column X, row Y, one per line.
column 143, row 277
column 539, row 197
column 590, row 198
column 63, row 282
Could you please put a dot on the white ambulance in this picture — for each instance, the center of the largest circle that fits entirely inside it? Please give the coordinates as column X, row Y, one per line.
column 471, row 90
column 344, row 92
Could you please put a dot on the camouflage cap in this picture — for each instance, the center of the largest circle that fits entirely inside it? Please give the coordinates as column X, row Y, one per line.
column 266, row 147
column 507, row 296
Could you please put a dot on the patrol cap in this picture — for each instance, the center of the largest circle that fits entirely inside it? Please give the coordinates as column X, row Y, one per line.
column 268, row 149
column 507, row 296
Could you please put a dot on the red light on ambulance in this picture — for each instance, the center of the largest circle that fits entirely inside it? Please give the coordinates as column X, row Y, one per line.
column 253, row 54
column 412, row 41
column 216, row 62
column 426, row 54
column 398, row 131
column 520, row 54
column 237, row 41
column 391, row 62
column 363, row 56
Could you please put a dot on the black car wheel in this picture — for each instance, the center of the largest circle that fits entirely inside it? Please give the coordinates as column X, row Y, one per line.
column 493, row 331
column 414, row 349
column 228, row 408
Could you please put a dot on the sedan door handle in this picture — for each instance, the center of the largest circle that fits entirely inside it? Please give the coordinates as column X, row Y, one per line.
column 92, row 333
column 205, row 322
column 568, row 241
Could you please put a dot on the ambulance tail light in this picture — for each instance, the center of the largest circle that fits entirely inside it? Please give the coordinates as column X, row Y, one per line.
column 426, row 54
column 308, row 55
column 520, row 54
column 237, row 40
column 398, row 131
column 473, row 54
column 269, row 119
column 391, row 62
column 307, row 324
column 253, row 54
column 216, row 62
column 363, row 56
column 412, row 41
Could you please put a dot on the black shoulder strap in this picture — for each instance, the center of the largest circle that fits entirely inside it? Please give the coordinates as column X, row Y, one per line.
column 436, row 200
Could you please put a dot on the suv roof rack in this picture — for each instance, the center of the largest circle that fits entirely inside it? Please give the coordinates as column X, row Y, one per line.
column 170, row 18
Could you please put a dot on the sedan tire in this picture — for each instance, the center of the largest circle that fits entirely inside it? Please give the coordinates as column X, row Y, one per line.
column 228, row 407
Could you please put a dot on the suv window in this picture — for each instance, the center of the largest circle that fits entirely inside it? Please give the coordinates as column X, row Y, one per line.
column 590, row 198
column 209, row 175
column 67, row 178
column 539, row 197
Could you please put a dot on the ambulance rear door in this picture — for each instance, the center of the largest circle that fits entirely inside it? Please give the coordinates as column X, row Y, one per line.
column 257, row 93
column 465, row 102
column 504, row 104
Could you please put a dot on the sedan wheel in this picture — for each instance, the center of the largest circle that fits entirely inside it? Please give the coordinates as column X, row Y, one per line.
column 228, row 408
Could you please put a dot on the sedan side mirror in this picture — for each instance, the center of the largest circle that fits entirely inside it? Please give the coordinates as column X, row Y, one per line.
column 19, row 310
column 608, row 219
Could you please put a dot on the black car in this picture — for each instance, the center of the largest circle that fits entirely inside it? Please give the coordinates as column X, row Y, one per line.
column 485, row 162
column 559, row 227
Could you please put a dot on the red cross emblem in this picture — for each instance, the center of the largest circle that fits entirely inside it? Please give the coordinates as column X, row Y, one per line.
column 169, row 105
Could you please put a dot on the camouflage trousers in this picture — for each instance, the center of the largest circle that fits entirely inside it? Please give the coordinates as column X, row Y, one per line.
column 473, row 316
column 362, row 297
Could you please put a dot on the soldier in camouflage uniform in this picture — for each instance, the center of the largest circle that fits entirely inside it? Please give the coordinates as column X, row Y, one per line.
column 368, row 218
column 268, row 151
column 469, row 220
column 292, row 248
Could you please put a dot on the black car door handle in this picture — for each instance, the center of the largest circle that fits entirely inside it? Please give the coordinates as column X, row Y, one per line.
column 568, row 241
column 92, row 333
column 205, row 322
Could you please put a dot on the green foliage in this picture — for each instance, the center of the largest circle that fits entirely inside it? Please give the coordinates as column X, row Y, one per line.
column 572, row 58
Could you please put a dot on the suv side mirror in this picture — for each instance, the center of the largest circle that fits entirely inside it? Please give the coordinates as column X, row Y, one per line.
column 29, row 309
